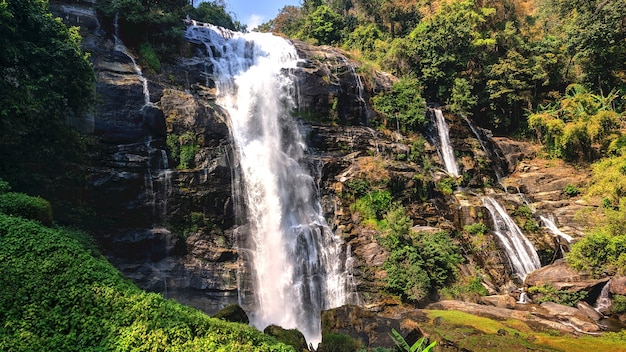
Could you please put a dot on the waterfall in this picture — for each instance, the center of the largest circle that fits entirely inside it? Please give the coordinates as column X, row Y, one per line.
column 447, row 153
column 519, row 250
column 489, row 153
column 548, row 221
column 359, row 89
column 299, row 265
column 603, row 303
column 120, row 47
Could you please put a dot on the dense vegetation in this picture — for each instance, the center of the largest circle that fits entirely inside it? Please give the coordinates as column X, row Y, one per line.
column 45, row 81
column 59, row 294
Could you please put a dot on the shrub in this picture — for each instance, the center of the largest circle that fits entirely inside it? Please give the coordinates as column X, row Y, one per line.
column 33, row 208
column 571, row 190
column 417, row 262
column 476, row 229
column 619, row 304
column 338, row 343
column 4, row 186
column 149, row 57
column 548, row 293
column 598, row 253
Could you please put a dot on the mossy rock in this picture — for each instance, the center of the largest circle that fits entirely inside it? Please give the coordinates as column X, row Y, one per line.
column 233, row 313
column 291, row 337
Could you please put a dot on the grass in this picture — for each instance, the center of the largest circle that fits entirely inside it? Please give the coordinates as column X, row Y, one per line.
column 483, row 334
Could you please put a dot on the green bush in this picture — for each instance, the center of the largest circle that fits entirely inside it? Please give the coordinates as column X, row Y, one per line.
column 447, row 185
column 598, row 253
column 149, row 57
column 19, row 204
column 57, row 296
column 619, row 304
column 338, row 343
column 548, row 293
column 476, row 229
column 373, row 205
column 417, row 262
column 571, row 190
column 4, row 186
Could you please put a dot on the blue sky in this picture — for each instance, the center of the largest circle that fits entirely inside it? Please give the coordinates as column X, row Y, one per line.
column 256, row 12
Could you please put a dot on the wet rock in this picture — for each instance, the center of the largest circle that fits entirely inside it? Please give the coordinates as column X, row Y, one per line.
column 291, row 337
column 618, row 285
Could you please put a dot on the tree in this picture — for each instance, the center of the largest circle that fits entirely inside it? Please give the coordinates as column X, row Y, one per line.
column 46, row 80
column 323, row 25
column 444, row 45
column 403, row 106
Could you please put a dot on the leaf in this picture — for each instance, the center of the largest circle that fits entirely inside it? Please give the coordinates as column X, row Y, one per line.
column 399, row 340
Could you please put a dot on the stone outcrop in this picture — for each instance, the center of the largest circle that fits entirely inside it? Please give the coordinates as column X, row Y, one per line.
column 561, row 277
column 547, row 317
column 372, row 329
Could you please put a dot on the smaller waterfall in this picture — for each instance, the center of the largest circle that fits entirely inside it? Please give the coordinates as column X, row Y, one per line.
column 519, row 250
column 549, row 223
column 359, row 89
column 447, row 153
column 120, row 47
column 496, row 167
column 603, row 303
column 158, row 181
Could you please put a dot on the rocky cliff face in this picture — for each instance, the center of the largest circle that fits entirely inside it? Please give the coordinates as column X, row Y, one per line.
column 163, row 174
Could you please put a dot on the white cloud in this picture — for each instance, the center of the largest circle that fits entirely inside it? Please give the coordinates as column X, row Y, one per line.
column 254, row 21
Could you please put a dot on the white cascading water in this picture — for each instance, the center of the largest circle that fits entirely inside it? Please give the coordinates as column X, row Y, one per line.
column 604, row 302
column 447, row 152
column 519, row 250
column 297, row 262
column 549, row 223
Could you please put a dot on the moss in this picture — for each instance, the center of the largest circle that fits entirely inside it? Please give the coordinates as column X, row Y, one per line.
column 234, row 313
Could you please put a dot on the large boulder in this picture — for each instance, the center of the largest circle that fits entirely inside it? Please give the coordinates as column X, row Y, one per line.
column 563, row 277
column 618, row 285
column 370, row 328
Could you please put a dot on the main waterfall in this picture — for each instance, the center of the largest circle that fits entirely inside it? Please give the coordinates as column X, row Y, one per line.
column 298, row 264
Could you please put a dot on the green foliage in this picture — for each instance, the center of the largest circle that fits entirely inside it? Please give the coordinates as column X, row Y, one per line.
column 373, row 205
column 619, row 304
column 447, row 185
column 548, row 293
column 22, row 205
column 571, row 190
column 57, row 296
column 215, row 12
column 404, row 346
column 149, row 57
column 290, row 337
column 476, row 228
column 183, row 149
column 418, row 262
column 599, row 253
column 403, row 105
column 468, row 290
column 4, row 186
column 323, row 26
column 47, row 80
column 580, row 127
column 461, row 101
column 338, row 343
